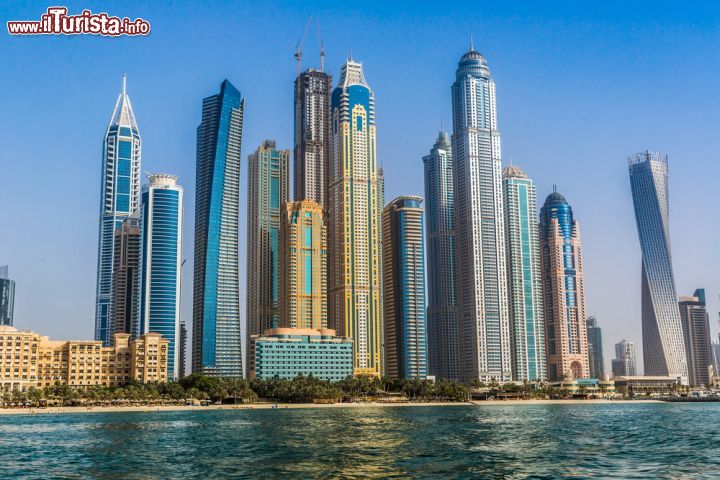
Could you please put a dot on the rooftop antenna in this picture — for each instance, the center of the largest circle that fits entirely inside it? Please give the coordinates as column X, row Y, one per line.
column 442, row 127
column 124, row 83
column 554, row 188
column 301, row 44
column 472, row 47
column 322, row 47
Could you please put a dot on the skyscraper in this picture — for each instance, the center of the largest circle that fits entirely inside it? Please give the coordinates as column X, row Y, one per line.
column 524, row 276
column 7, row 297
column 595, row 348
column 303, row 266
column 216, row 297
column 696, row 332
column 481, row 278
column 625, row 362
column 442, row 322
column 354, row 286
column 404, row 288
column 125, row 297
column 663, row 344
column 119, row 197
column 161, row 261
column 268, row 184
column 563, row 290
column 312, row 135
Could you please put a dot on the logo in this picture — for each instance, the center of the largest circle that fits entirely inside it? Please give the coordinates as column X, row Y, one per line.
column 56, row 21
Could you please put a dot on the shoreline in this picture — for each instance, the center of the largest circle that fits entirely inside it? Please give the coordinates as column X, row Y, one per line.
column 295, row 406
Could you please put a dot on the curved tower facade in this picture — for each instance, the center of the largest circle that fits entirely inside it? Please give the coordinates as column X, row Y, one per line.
column 354, row 287
column 663, row 342
column 440, row 232
column 119, row 198
column 564, row 291
column 483, row 317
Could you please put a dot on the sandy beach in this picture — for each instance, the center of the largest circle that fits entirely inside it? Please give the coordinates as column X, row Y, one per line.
column 283, row 406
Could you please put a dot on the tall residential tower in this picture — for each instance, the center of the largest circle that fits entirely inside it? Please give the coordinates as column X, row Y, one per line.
column 663, row 343
column 481, row 278
column 216, row 298
column 119, row 197
column 7, row 297
column 595, row 348
column 442, row 321
column 524, row 276
column 696, row 331
column 354, row 286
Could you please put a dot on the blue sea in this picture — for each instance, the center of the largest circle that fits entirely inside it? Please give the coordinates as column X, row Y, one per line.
column 520, row 441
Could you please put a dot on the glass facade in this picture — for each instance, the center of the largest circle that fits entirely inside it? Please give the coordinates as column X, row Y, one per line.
column 595, row 349
column 217, row 344
column 119, row 198
column 161, row 253
column 663, row 343
column 7, row 297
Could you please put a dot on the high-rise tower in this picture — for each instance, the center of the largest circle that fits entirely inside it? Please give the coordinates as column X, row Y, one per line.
column 354, row 287
column 595, row 348
column 403, row 251
column 216, row 297
column 7, row 297
column 119, row 197
column 312, row 135
column 303, row 266
column 663, row 343
column 564, row 290
column 524, row 276
column 442, row 322
column 268, row 184
column 696, row 331
column 125, row 298
column 161, row 260
column 481, row 279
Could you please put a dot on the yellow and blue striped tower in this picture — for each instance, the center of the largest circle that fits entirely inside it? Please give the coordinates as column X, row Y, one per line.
column 355, row 285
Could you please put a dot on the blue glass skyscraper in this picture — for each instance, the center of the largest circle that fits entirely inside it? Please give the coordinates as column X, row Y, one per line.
column 119, row 198
column 217, row 348
column 160, row 266
column 440, row 230
column 663, row 342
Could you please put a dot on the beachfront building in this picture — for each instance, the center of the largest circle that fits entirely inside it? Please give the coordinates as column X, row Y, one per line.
column 696, row 332
column 268, row 184
column 524, row 276
column 161, row 263
column 125, row 297
column 564, row 291
column 663, row 342
column 217, row 343
column 404, row 288
column 355, row 193
column 28, row 359
column 442, row 323
column 303, row 265
column 120, row 197
column 7, row 297
column 481, row 277
column 291, row 352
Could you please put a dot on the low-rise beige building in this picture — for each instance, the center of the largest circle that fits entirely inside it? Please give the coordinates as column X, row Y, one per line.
column 28, row 359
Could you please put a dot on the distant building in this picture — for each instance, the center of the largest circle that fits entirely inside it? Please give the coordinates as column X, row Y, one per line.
column 125, row 296
column 405, row 332
column 663, row 344
column 625, row 361
column 268, row 185
column 303, row 265
column 119, row 197
column 290, row 352
column 79, row 364
column 182, row 354
column 161, row 263
column 217, row 344
column 443, row 354
column 7, row 297
column 312, row 135
column 527, row 329
column 696, row 332
column 716, row 356
column 564, row 290
column 595, row 348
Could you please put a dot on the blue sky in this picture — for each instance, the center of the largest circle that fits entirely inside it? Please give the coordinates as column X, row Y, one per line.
column 580, row 87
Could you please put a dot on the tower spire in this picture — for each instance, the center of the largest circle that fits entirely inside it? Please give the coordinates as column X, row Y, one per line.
column 472, row 46
column 124, row 84
column 442, row 126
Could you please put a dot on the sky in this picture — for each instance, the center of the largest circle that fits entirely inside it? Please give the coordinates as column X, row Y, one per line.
column 580, row 87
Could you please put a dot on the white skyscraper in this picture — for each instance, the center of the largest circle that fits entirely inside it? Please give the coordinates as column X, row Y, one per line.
column 119, row 198
column 483, row 317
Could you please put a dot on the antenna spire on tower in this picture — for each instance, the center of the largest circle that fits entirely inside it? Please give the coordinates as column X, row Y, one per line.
column 124, row 84
column 472, row 46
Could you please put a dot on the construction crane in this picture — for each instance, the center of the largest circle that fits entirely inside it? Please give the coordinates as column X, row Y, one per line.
column 322, row 47
column 301, row 44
